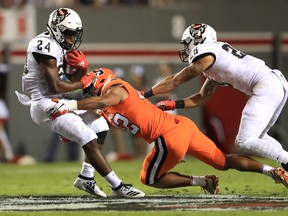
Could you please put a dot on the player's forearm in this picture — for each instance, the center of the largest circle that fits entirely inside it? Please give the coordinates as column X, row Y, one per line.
column 91, row 103
column 163, row 87
column 85, row 104
column 63, row 87
column 195, row 100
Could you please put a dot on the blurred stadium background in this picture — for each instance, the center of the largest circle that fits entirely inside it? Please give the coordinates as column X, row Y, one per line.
column 145, row 34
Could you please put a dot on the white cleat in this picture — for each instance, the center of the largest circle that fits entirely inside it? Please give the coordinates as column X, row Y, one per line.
column 126, row 191
column 88, row 185
column 211, row 184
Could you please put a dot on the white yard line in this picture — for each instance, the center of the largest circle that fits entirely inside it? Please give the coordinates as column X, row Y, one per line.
column 176, row 203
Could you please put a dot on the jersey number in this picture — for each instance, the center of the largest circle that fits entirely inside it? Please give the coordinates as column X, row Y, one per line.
column 233, row 51
column 122, row 121
column 40, row 45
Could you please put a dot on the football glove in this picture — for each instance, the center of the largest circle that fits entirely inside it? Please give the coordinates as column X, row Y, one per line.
column 76, row 58
column 61, row 107
column 166, row 105
column 88, row 79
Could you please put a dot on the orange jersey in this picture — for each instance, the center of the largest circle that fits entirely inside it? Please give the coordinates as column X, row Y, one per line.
column 174, row 136
column 137, row 115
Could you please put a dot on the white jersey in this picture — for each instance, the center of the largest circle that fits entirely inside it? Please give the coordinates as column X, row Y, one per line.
column 267, row 90
column 231, row 67
column 33, row 81
column 79, row 126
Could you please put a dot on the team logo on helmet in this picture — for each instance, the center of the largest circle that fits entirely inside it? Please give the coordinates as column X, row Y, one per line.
column 197, row 31
column 98, row 72
column 59, row 16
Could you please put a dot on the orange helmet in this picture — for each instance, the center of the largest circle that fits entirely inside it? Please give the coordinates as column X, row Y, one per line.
column 101, row 76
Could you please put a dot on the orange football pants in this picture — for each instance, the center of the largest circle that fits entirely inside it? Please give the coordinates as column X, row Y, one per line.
column 171, row 147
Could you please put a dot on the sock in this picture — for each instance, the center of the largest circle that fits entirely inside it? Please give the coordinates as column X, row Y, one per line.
column 87, row 170
column 198, row 181
column 266, row 170
column 113, row 179
column 8, row 152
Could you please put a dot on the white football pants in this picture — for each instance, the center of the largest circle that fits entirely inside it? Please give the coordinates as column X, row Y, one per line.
column 78, row 126
column 260, row 114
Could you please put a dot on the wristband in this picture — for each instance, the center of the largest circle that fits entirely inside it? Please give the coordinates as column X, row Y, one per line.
column 179, row 104
column 148, row 93
column 72, row 105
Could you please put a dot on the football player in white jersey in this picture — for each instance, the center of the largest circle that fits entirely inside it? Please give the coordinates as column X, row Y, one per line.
column 42, row 81
column 223, row 65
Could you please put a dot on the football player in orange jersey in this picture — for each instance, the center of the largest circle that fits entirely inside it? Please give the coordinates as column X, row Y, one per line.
column 174, row 135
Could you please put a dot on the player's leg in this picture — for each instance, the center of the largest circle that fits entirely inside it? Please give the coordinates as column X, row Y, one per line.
column 71, row 126
column 167, row 152
column 258, row 116
column 247, row 164
column 79, row 132
column 209, row 153
column 100, row 126
column 119, row 189
column 85, row 180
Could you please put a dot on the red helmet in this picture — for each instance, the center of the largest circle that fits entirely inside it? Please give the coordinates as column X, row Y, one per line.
column 101, row 76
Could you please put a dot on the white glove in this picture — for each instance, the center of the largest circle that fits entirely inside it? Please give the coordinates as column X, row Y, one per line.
column 61, row 107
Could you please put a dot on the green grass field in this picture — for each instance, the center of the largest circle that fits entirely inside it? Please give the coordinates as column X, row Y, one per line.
column 47, row 179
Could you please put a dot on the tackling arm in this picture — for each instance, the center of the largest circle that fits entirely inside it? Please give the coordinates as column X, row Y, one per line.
column 191, row 71
column 185, row 75
column 195, row 100
column 203, row 96
column 113, row 97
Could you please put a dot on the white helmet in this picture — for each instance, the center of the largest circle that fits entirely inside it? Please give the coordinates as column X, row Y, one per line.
column 193, row 36
column 65, row 22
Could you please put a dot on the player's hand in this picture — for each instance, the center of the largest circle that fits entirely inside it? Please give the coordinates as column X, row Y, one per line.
column 76, row 58
column 88, row 82
column 166, row 105
column 60, row 108
column 88, row 79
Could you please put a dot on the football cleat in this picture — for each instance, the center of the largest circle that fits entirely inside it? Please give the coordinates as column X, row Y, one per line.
column 280, row 176
column 88, row 185
column 126, row 191
column 211, row 186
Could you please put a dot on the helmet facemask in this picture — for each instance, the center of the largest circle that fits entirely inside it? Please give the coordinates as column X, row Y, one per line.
column 91, row 90
column 66, row 28
column 184, row 53
column 74, row 36
column 101, row 79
